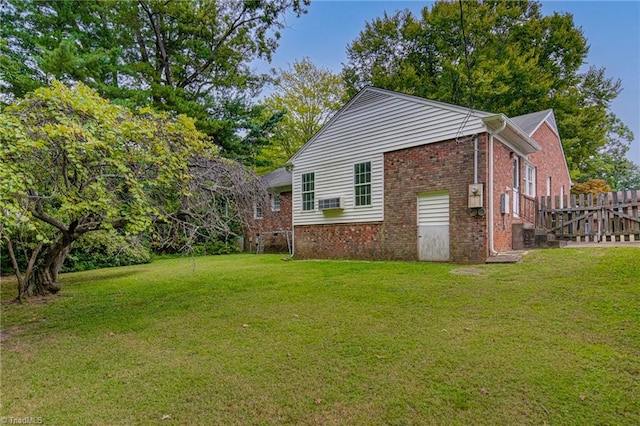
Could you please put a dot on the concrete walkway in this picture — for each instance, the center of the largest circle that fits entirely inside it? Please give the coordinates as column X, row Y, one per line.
column 575, row 244
column 514, row 256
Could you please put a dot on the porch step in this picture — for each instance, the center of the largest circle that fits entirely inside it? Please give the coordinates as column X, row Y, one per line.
column 555, row 244
column 504, row 258
column 527, row 236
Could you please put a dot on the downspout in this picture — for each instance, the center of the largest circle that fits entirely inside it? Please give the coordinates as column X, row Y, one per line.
column 289, row 168
column 475, row 159
column 492, row 250
column 293, row 233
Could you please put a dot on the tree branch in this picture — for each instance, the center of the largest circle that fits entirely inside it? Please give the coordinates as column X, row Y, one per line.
column 237, row 23
column 39, row 213
column 160, row 45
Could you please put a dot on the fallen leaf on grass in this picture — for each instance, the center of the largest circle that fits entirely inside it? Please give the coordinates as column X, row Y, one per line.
column 318, row 401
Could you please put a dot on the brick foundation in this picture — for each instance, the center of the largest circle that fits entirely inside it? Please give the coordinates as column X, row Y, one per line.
column 341, row 241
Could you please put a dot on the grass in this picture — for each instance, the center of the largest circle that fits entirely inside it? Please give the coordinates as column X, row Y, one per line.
column 245, row 339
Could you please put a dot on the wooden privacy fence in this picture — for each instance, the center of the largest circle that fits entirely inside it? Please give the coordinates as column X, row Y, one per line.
column 610, row 216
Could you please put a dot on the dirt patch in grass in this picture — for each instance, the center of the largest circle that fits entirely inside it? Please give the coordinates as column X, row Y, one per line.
column 34, row 300
column 11, row 332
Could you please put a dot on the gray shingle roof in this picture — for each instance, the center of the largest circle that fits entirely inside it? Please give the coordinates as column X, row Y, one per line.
column 530, row 122
column 278, row 178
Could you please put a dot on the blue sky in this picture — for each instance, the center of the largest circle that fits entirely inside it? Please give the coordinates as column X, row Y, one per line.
column 611, row 28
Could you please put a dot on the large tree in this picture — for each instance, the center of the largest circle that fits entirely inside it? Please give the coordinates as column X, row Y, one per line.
column 73, row 163
column 188, row 57
column 307, row 97
column 494, row 56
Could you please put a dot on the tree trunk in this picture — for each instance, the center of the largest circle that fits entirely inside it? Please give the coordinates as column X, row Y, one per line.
column 44, row 279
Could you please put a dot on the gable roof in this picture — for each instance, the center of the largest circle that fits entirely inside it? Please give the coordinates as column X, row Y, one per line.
column 472, row 121
column 370, row 94
column 531, row 122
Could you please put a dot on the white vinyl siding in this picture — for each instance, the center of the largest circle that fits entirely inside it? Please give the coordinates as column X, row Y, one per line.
column 333, row 180
column 385, row 126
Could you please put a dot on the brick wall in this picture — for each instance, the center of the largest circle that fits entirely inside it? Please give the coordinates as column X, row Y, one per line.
column 549, row 162
column 271, row 221
column 434, row 167
column 339, row 241
column 503, row 184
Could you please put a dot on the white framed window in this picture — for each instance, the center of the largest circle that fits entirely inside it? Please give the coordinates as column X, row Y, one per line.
column 529, row 180
column 257, row 212
column 362, row 183
column 275, row 202
column 308, row 191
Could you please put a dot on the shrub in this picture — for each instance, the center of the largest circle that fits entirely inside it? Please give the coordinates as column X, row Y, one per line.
column 103, row 250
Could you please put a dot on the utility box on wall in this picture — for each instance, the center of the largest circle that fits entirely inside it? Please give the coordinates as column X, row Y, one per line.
column 504, row 203
column 475, row 195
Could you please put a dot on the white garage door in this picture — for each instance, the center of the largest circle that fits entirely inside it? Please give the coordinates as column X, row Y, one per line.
column 433, row 226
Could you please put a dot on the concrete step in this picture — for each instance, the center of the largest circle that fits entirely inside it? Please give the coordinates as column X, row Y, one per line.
column 506, row 257
column 527, row 236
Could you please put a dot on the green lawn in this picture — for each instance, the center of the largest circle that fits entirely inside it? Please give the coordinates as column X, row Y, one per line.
column 248, row 339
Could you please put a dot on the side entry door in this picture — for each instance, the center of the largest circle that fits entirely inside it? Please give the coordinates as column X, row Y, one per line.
column 433, row 227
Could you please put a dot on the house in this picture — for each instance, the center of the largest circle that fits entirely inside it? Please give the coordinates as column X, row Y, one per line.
column 394, row 176
column 272, row 230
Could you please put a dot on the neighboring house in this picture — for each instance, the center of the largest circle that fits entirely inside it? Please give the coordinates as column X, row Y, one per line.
column 271, row 230
column 394, row 176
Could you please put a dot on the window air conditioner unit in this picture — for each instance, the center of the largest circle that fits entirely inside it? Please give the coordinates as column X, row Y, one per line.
column 331, row 203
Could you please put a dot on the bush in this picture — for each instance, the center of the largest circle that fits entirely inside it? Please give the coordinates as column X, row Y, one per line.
column 103, row 250
column 216, row 247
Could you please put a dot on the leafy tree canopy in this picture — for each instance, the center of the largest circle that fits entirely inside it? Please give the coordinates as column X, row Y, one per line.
column 306, row 97
column 591, row 186
column 187, row 57
column 515, row 61
column 73, row 163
